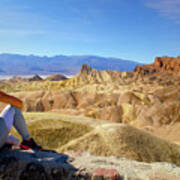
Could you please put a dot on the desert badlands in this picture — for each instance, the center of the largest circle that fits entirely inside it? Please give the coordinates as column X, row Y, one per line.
column 127, row 123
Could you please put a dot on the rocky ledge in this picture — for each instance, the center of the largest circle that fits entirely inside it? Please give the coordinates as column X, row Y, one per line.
column 30, row 165
column 161, row 64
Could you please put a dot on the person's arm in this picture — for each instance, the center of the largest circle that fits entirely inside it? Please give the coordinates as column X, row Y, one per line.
column 5, row 98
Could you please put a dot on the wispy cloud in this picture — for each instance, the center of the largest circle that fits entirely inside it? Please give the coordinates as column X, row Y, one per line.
column 166, row 8
column 20, row 32
column 18, row 20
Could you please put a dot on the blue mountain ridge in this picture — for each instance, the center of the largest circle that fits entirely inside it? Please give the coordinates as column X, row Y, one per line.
column 15, row 64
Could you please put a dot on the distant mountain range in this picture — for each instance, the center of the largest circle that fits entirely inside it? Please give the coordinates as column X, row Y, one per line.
column 15, row 64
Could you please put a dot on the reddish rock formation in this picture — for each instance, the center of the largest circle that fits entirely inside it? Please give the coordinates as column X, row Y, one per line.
column 161, row 64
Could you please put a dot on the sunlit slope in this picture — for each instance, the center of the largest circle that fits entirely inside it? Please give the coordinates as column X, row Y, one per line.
column 125, row 141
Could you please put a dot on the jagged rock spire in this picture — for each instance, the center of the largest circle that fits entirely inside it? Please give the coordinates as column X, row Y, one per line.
column 85, row 68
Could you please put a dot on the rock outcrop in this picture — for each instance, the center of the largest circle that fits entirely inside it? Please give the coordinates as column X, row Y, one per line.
column 161, row 64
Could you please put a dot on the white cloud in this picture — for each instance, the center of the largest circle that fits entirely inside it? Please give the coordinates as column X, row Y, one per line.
column 166, row 8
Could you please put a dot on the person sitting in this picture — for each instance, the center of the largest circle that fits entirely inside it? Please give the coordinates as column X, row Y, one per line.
column 12, row 116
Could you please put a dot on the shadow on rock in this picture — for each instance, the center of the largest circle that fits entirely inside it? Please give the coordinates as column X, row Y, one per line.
column 30, row 165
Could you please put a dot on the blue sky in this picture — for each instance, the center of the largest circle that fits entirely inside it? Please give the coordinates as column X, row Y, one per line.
column 130, row 29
